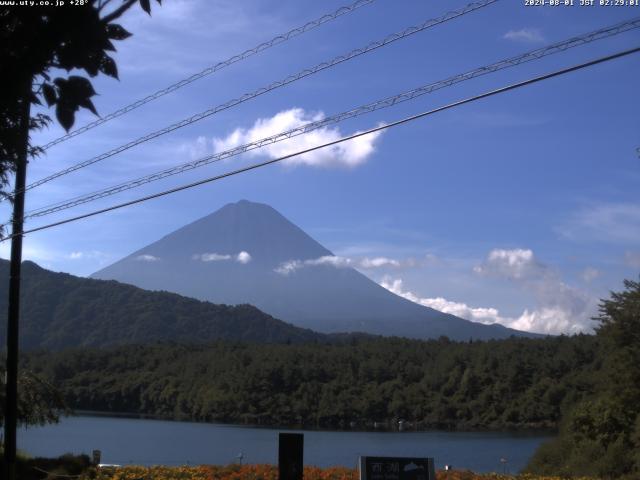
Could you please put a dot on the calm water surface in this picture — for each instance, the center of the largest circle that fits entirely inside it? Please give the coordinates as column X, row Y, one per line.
column 147, row 442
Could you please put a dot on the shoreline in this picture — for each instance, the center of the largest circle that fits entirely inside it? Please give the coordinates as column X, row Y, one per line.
column 383, row 428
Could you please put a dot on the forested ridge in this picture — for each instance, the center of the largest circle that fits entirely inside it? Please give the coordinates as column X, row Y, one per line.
column 61, row 310
column 587, row 386
column 516, row 383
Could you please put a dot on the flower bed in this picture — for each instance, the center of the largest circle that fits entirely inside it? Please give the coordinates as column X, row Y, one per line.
column 229, row 472
column 270, row 472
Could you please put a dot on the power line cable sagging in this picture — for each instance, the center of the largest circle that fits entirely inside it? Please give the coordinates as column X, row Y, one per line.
column 471, row 7
column 561, row 46
column 278, row 39
column 335, row 142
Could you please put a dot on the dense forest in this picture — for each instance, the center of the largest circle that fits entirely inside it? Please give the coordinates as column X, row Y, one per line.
column 600, row 434
column 586, row 386
column 517, row 383
column 60, row 311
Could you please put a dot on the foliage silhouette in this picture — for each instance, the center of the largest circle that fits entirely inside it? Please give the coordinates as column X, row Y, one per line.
column 601, row 434
column 37, row 45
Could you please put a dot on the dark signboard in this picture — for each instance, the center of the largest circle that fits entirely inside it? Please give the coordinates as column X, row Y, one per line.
column 396, row 468
column 290, row 456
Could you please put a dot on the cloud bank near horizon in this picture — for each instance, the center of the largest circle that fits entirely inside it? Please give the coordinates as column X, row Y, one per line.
column 560, row 309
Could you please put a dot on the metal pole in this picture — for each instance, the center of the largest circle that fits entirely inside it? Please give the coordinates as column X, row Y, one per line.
column 11, row 407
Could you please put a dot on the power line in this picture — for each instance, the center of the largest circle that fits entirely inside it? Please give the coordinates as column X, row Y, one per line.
column 370, row 107
column 278, row 39
column 328, row 144
column 290, row 79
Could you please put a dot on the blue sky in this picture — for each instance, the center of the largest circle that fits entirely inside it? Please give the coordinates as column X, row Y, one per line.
column 522, row 209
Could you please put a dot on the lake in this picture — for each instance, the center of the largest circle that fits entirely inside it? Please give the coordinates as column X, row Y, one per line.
column 147, row 442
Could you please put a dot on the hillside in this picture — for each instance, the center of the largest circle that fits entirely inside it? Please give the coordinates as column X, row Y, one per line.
column 514, row 383
column 61, row 310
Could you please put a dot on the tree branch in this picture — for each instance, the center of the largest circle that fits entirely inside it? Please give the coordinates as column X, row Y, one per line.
column 102, row 4
column 117, row 13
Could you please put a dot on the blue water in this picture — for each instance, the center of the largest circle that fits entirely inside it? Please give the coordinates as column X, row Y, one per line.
column 147, row 442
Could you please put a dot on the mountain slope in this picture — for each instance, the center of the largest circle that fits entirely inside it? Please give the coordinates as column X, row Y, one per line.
column 232, row 256
column 59, row 310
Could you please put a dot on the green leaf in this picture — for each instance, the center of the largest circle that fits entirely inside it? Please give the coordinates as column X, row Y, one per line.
column 92, row 63
column 108, row 66
column 146, row 6
column 49, row 93
column 88, row 104
column 65, row 115
column 80, row 86
column 73, row 93
column 117, row 32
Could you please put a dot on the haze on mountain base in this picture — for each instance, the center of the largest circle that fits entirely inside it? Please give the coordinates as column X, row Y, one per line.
column 60, row 311
column 239, row 254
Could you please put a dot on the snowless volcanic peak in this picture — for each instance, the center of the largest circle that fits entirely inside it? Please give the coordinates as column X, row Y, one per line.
column 247, row 252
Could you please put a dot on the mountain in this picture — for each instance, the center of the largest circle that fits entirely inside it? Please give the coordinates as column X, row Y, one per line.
column 233, row 256
column 59, row 311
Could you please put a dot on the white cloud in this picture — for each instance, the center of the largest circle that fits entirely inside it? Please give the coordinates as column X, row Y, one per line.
column 211, row 257
column 632, row 259
column 547, row 320
column 378, row 262
column 559, row 307
column 196, row 149
column 30, row 251
column 610, row 222
column 529, row 35
column 57, row 260
column 589, row 274
column 334, row 261
column 89, row 255
column 516, row 263
column 347, row 154
column 343, row 262
column 242, row 257
column 147, row 258
column 288, row 267
column 183, row 28
column 462, row 310
column 291, row 266
column 570, row 308
column 550, row 320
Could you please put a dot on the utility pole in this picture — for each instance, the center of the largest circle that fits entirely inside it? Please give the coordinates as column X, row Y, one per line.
column 11, row 407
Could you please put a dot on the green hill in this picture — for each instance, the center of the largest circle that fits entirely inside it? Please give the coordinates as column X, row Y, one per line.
column 59, row 310
column 515, row 383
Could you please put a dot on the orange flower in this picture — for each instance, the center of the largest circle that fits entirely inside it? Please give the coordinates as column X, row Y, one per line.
column 270, row 472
